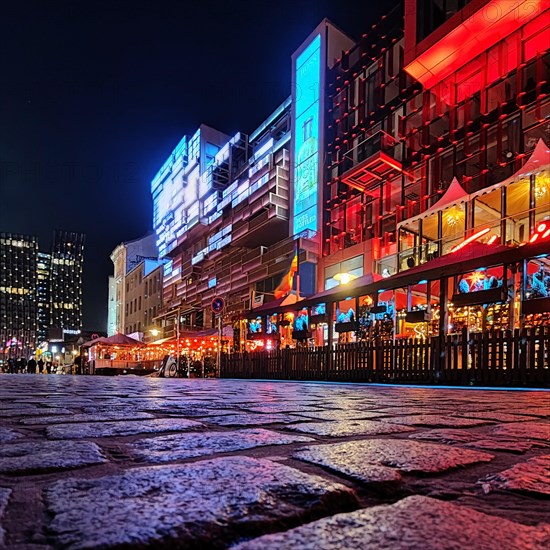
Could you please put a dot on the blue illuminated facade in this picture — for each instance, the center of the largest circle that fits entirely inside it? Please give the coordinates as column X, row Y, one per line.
column 306, row 137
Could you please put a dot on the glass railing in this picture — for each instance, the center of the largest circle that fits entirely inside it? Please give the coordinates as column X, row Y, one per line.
column 379, row 142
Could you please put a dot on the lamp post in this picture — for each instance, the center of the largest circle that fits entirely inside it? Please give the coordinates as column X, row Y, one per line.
column 178, row 343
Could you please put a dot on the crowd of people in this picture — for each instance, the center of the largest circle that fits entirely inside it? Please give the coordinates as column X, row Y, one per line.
column 32, row 366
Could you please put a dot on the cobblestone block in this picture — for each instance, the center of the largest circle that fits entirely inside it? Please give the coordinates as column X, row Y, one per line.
column 128, row 427
column 257, row 419
column 8, row 435
column 532, row 430
column 80, row 418
column 4, row 496
column 532, row 476
column 181, row 446
column 355, row 458
column 413, row 523
column 36, row 456
column 208, row 504
column 433, row 420
column 350, row 427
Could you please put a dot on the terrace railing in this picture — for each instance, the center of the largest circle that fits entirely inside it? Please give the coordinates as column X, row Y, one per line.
column 496, row 358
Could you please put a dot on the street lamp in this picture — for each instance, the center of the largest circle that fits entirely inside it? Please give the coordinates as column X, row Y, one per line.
column 344, row 278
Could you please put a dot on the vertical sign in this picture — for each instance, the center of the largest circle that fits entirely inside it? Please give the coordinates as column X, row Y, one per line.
column 306, row 137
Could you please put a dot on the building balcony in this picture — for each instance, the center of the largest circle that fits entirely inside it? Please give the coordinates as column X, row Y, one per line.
column 376, row 159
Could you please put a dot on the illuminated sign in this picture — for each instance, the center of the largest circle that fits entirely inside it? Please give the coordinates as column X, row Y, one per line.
column 306, row 138
column 542, row 232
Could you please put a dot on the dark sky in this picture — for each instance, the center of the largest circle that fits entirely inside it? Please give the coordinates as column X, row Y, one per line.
column 95, row 95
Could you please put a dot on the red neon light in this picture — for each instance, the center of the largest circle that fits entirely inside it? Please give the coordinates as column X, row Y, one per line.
column 484, row 28
column 470, row 239
column 541, row 232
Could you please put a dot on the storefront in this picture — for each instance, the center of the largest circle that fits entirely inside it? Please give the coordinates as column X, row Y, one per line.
column 478, row 262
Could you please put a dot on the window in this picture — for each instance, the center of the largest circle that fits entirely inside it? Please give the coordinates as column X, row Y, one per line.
column 352, row 267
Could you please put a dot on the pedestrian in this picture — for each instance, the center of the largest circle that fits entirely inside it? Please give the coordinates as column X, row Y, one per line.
column 31, row 366
column 22, row 365
column 11, row 366
column 40, row 364
column 49, row 367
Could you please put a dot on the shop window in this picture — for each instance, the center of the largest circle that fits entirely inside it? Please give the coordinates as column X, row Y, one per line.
column 301, row 321
column 537, row 283
column 487, row 213
column 517, row 212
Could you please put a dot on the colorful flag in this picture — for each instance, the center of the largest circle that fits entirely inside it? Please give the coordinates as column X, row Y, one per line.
column 288, row 278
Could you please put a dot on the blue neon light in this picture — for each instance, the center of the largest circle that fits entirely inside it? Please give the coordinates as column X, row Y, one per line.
column 306, row 142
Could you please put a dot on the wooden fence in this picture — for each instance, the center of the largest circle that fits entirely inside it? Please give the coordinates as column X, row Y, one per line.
column 504, row 358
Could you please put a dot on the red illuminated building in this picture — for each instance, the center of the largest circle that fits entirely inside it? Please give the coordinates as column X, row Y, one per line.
column 436, row 194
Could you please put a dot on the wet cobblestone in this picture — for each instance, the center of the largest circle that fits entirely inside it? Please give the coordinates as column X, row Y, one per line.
column 412, row 523
column 84, row 463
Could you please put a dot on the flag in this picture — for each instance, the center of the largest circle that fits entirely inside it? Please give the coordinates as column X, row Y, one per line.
column 288, row 278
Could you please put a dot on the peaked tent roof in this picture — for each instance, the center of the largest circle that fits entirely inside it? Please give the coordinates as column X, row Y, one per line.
column 115, row 340
column 454, row 194
column 538, row 161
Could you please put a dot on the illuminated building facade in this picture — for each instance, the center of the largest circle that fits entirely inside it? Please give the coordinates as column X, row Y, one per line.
column 18, row 295
column 125, row 257
column 438, row 133
column 434, row 201
column 227, row 231
column 43, row 270
column 143, row 297
column 67, row 260
column 111, row 307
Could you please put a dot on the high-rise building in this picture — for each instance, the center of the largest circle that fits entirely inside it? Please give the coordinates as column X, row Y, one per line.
column 18, row 295
column 43, row 283
column 67, row 258
column 39, row 291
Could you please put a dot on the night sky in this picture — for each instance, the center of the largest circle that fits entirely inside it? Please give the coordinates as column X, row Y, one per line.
column 95, row 95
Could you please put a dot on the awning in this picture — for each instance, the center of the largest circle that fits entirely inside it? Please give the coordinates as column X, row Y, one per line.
column 272, row 306
column 469, row 258
column 158, row 342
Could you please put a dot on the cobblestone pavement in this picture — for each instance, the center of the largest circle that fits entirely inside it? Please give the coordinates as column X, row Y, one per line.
column 93, row 462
